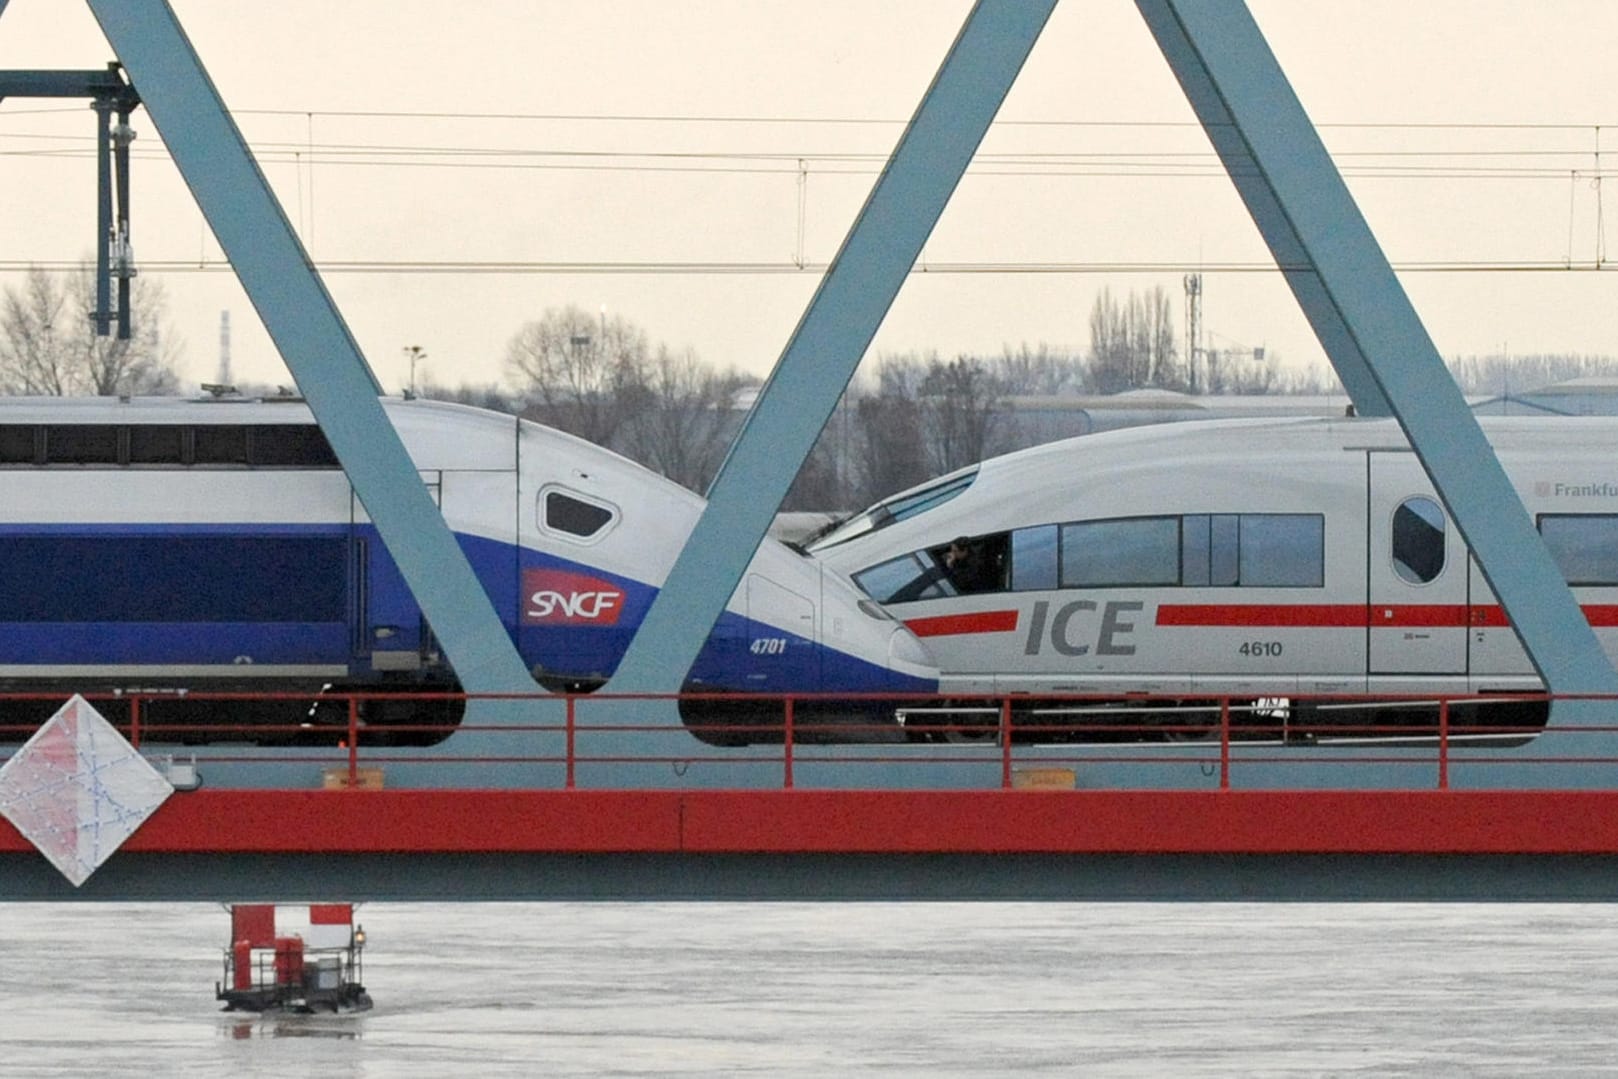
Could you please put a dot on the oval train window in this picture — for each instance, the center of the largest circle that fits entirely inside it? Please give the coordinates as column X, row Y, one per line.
column 573, row 516
column 1418, row 540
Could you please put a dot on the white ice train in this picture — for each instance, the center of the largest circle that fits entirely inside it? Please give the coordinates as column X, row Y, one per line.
column 1264, row 560
column 215, row 544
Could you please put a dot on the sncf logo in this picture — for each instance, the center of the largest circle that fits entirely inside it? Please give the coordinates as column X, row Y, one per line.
column 556, row 597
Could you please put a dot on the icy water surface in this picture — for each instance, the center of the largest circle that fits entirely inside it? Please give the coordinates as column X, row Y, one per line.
column 655, row 989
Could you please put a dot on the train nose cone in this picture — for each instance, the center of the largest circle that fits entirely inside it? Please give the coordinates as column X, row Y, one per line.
column 907, row 655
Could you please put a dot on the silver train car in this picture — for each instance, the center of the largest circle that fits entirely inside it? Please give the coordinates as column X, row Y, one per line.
column 216, row 545
column 1265, row 561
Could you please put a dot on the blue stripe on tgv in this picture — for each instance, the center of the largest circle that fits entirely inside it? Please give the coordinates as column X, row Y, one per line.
column 210, row 594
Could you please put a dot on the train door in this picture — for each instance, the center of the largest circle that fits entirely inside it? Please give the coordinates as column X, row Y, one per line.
column 1417, row 575
column 1495, row 649
column 485, row 498
column 780, row 652
column 1584, row 547
column 392, row 633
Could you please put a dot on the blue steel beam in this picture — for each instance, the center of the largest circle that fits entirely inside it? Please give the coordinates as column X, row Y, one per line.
column 832, row 336
column 311, row 336
column 103, row 313
column 103, row 85
column 1217, row 49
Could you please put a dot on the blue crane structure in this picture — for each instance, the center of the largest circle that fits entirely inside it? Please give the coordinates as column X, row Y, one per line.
column 110, row 95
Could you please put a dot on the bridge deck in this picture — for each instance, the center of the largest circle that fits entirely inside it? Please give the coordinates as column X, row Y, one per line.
column 1290, row 845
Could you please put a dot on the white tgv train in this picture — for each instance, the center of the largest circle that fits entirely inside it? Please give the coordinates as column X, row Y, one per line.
column 1259, row 559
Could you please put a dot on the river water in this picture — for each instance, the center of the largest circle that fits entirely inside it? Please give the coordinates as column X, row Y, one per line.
column 894, row 989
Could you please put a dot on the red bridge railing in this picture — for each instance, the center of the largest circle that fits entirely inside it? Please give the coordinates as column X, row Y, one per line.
column 1024, row 736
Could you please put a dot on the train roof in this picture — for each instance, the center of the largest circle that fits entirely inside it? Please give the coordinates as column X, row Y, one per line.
column 206, row 409
column 479, row 432
column 155, row 410
column 1274, row 434
column 1037, row 467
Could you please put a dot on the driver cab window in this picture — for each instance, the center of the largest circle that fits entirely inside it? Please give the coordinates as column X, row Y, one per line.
column 964, row 566
column 974, row 564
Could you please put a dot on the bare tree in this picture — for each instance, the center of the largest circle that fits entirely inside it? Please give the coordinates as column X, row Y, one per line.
column 1041, row 371
column 48, row 344
column 893, row 453
column 825, row 481
column 961, row 402
column 581, row 374
column 35, row 356
column 145, row 363
column 686, row 419
column 1155, row 319
column 819, row 484
column 1112, row 361
column 488, row 395
column 1132, row 345
column 1506, row 374
column 1242, row 371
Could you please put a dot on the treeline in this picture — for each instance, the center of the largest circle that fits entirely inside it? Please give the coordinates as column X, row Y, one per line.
column 905, row 419
column 48, row 344
column 1506, row 375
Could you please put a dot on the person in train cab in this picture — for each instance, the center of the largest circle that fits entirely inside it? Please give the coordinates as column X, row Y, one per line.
column 952, row 564
column 963, row 564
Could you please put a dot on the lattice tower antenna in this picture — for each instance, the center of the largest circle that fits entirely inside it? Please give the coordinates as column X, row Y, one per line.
column 223, row 377
column 1193, row 330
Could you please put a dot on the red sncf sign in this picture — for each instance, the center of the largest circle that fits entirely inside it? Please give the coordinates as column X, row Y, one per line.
column 554, row 597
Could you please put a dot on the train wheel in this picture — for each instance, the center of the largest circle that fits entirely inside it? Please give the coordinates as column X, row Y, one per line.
column 970, row 724
column 1192, row 721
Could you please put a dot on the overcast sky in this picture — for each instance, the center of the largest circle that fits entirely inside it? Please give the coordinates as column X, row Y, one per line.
column 453, row 166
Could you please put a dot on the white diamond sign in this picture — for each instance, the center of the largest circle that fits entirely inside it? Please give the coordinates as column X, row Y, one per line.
column 78, row 789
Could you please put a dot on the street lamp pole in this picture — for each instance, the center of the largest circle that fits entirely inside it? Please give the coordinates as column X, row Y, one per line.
column 413, row 353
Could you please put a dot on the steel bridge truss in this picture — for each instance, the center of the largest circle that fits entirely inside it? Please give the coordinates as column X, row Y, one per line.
column 1255, row 122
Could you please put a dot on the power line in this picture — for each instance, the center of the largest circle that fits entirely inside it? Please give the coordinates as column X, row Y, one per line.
column 717, row 268
column 733, row 118
column 1547, row 164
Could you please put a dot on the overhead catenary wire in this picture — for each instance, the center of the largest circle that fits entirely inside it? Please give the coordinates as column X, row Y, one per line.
column 1144, row 165
column 665, row 268
column 1514, row 161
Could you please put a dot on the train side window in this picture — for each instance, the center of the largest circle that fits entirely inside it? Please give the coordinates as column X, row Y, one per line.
column 572, row 516
column 1286, row 550
column 1129, row 551
column 1418, row 540
column 1210, row 548
column 1033, row 559
column 909, row 505
column 1195, row 550
column 17, row 446
column 1585, row 546
column 898, row 508
column 290, row 445
column 81, row 444
column 154, row 444
column 1224, row 550
column 905, row 579
column 220, row 445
